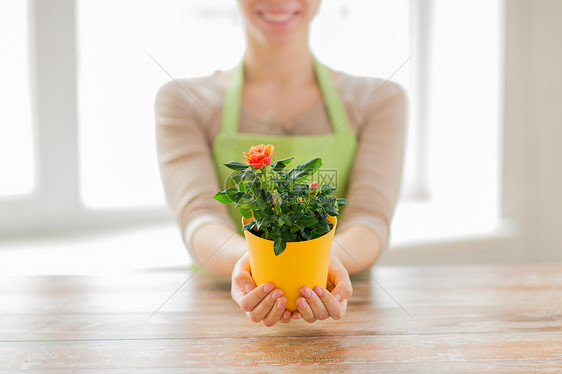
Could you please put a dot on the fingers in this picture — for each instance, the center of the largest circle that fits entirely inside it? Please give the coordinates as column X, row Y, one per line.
column 242, row 281
column 332, row 306
column 266, row 303
column 276, row 313
column 338, row 281
column 342, row 291
column 266, row 306
column 242, row 285
column 304, row 310
column 287, row 316
column 319, row 305
column 255, row 297
column 316, row 305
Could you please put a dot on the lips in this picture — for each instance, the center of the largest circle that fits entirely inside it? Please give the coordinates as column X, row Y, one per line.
column 278, row 17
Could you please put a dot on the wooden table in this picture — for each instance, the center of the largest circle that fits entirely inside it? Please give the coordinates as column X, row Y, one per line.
column 464, row 319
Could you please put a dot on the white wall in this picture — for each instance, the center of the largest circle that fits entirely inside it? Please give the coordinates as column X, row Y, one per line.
column 533, row 125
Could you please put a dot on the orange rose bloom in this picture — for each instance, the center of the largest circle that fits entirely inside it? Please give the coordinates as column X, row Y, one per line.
column 259, row 155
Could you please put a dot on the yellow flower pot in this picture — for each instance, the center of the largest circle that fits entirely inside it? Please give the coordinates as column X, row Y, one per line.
column 301, row 264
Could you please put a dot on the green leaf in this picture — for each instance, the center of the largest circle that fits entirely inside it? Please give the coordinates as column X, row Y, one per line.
column 313, row 165
column 249, row 175
column 244, row 200
column 331, row 211
column 306, row 221
column 280, row 165
column 285, row 220
column 223, row 197
column 236, row 179
column 306, row 235
column 322, row 227
column 330, row 200
column 238, row 166
column 265, row 196
column 310, row 167
column 283, row 188
column 342, row 201
column 285, row 208
column 275, row 232
column 300, row 189
column 255, row 187
column 279, row 246
column 265, row 219
column 258, row 214
column 262, row 205
column 326, row 189
column 232, row 192
column 246, row 213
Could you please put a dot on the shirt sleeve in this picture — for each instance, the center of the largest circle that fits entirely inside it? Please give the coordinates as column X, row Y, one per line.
column 185, row 157
column 375, row 177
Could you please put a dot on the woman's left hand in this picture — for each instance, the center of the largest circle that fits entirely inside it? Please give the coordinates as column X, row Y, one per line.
column 321, row 303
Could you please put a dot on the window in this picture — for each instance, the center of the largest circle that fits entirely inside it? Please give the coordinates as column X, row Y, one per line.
column 17, row 163
column 118, row 77
column 445, row 53
column 462, row 132
column 121, row 70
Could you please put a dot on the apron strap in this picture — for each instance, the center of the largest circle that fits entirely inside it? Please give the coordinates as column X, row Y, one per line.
column 233, row 100
column 332, row 100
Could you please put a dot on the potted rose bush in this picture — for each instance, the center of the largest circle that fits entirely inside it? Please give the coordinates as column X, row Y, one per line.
column 289, row 224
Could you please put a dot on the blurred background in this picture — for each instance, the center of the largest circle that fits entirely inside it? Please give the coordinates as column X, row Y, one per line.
column 79, row 185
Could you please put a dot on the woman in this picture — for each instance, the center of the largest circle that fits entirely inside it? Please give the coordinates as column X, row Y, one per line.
column 281, row 93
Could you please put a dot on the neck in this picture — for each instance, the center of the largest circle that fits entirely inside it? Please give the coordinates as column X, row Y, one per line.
column 280, row 65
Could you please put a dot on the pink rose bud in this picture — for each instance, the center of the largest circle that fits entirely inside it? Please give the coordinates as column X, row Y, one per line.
column 313, row 188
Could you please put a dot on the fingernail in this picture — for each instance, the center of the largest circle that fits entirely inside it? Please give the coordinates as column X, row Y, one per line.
column 338, row 297
column 281, row 304
column 276, row 294
column 249, row 288
column 318, row 291
column 268, row 287
column 306, row 292
column 302, row 304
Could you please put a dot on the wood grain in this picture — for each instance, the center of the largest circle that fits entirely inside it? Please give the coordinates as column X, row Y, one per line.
column 465, row 319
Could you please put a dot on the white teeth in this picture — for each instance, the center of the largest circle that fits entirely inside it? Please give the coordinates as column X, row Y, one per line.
column 283, row 17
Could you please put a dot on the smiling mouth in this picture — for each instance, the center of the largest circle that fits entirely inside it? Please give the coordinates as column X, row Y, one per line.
column 277, row 17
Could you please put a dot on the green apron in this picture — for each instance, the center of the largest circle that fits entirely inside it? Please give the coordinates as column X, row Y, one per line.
column 336, row 149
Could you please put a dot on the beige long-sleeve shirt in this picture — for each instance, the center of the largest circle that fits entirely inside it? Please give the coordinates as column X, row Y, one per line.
column 188, row 117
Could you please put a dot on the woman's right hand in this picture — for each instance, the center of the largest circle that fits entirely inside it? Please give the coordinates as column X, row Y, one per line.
column 264, row 303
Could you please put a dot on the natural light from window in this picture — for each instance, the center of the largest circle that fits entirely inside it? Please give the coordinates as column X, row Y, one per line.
column 118, row 78
column 464, row 141
column 17, row 164
column 127, row 49
column 121, row 69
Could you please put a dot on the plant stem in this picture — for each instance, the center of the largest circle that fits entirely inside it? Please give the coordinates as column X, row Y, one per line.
column 264, row 174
